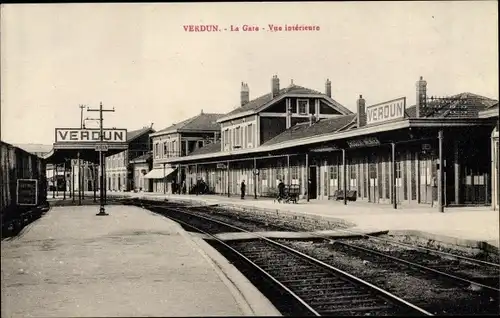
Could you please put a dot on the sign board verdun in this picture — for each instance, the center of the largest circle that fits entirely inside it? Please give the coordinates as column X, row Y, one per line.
column 386, row 111
column 72, row 135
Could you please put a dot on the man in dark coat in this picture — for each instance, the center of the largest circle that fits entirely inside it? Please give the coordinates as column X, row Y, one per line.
column 243, row 187
column 281, row 191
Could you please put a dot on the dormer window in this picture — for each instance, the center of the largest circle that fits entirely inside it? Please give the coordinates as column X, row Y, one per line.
column 303, row 106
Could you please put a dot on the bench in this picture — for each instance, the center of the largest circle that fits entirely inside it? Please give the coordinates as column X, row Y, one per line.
column 339, row 195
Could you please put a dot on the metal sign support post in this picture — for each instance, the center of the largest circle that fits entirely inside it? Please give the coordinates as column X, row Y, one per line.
column 344, row 175
column 441, row 191
column 53, row 182
column 70, row 176
column 84, row 178
column 393, row 176
column 196, row 178
column 57, row 182
column 255, row 178
column 94, row 174
column 105, row 177
column 228, row 185
column 307, row 177
column 72, row 181
column 102, row 210
column 289, row 177
column 65, row 182
column 79, row 179
column 164, row 180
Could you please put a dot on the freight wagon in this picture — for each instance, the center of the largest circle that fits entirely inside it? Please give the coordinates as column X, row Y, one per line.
column 17, row 164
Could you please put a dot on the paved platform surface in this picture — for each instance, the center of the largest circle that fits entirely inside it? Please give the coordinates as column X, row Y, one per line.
column 131, row 263
column 479, row 224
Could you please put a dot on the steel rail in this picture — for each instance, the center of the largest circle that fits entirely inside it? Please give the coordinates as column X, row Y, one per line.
column 314, row 235
column 423, row 248
column 401, row 244
column 300, row 300
column 389, row 295
column 417, row 265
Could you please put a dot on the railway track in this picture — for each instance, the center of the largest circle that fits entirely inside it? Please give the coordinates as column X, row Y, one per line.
column 462, row 270
column 454, row 269
column 319, row 289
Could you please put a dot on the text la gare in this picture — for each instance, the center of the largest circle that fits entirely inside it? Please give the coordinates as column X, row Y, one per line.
column 245, row 28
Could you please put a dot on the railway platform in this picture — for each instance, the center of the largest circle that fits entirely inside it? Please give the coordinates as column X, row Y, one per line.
column 463, row 226
column 133, row 262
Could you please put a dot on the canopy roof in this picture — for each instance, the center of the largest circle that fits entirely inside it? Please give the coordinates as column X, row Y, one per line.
column 60, row 156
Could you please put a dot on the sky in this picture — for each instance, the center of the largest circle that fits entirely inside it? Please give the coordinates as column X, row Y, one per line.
column 139, row 59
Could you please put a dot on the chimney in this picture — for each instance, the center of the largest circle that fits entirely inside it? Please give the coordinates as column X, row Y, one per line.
column 421, row 96
column 202, row 111
column 361, row 112
column 275, row 85
column 328, row 88
column 245, row 94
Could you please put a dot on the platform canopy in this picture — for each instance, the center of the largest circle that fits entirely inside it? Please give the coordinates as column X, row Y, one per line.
column 159, row 173
column 85, row 143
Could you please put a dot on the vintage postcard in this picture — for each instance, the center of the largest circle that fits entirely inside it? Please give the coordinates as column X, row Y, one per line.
column 235, row 159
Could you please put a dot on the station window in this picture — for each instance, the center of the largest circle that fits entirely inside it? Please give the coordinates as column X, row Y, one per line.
column 226, row 137
column 333, row 172
column 250, row 134
column 165, row 149
column 237, row 136
column 295, row 173
column 303, row 106
column 174, row 148
column 398, row 169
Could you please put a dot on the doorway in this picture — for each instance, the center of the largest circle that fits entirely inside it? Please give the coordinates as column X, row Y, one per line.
column 313, row 186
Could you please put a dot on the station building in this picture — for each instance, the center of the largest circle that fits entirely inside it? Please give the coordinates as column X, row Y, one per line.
column 141, row 166
column 178, row 140
column 119, row 170
column 439, row 152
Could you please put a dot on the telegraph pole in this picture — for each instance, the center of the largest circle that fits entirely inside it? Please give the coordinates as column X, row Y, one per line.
column 102, row 210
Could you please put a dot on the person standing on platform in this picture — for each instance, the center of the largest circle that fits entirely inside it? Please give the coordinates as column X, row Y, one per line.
column 281, row 191
column 243, row 188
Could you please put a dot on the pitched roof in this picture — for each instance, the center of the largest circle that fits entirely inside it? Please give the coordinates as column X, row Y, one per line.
column 210, row 148
column 304, row 130
column 260, row 101
column 200, row 122
column 131, row 135
column 463, row 105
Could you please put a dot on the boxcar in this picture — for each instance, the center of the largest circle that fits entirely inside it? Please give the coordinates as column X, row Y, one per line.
column 16, row 164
